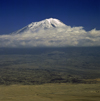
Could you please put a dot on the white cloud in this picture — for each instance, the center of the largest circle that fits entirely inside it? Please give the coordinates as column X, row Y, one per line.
column 57, row 37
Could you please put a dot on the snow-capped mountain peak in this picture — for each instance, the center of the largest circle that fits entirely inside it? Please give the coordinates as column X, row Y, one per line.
column 56, row 22
column 47, row 23
column 50, row 33
column 44, row 24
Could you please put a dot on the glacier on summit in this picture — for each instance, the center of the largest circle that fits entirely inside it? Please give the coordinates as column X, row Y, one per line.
column 50, row 33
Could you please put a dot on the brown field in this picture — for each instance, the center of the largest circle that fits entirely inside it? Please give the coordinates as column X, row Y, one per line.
column 50, row 92
column 98, row 79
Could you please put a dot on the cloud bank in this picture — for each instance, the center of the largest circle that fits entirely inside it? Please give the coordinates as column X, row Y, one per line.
column 53, row 37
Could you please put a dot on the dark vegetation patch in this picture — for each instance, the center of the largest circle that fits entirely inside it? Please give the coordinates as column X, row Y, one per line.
column 49, row 65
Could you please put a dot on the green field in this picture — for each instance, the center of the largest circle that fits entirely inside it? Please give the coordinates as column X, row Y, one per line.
column 51, row 92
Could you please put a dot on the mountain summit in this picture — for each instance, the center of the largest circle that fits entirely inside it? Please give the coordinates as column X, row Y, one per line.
column 47, row 23
column 50, row 33
column 44, row 24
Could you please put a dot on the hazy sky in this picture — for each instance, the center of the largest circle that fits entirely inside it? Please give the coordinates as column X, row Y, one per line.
column 15, row 14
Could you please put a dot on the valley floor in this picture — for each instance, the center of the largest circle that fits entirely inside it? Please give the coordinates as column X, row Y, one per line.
column 50, row 92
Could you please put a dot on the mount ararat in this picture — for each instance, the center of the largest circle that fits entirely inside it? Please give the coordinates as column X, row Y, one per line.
column 50, row 33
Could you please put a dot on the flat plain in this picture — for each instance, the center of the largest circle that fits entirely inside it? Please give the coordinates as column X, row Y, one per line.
column 50, row 92
column 69, row 74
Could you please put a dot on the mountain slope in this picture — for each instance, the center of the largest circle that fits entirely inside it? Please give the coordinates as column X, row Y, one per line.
column 44, row 24
column 50, row 33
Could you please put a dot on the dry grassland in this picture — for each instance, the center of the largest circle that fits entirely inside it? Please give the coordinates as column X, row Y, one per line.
column 51, row 92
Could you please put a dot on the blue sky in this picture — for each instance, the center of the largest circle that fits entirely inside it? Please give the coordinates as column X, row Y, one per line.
column 15, row 14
